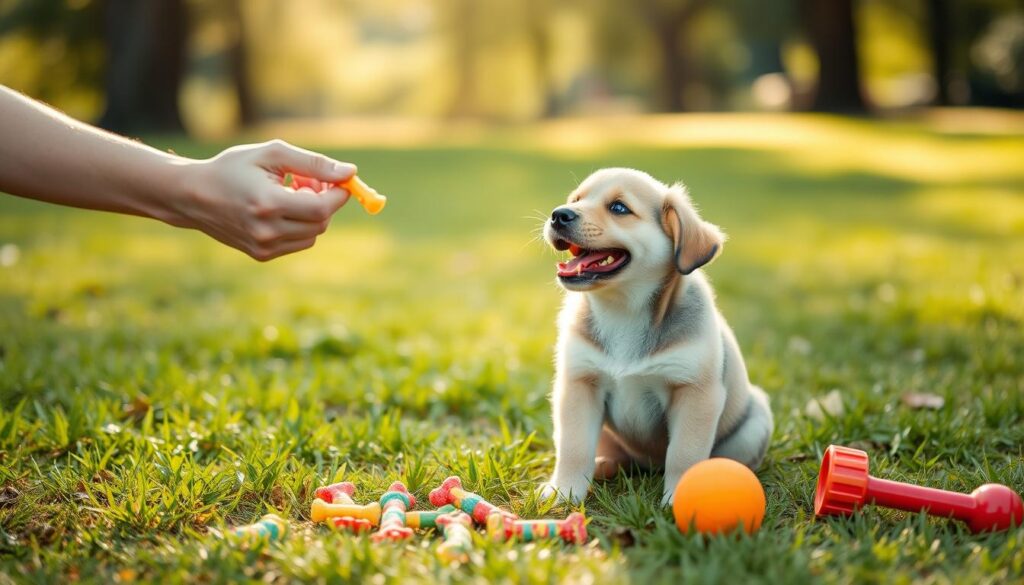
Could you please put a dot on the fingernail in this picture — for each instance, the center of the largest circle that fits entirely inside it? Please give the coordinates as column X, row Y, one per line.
column 344, row 169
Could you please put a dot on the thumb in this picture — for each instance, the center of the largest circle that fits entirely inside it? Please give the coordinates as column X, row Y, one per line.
column 281, row 157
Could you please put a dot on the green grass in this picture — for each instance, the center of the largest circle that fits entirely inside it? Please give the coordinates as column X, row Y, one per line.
column 156, row 387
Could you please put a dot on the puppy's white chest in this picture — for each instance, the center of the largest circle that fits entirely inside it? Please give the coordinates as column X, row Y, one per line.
column 636, row 407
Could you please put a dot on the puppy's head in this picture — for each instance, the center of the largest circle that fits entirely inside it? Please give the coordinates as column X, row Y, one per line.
column 622, row 226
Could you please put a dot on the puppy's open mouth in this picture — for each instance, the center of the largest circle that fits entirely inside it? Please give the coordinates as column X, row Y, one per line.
column 590, row 264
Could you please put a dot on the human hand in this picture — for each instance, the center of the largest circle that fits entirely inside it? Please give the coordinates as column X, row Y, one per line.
column 237, row 198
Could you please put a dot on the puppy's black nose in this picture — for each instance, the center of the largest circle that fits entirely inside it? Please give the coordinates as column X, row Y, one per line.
column 563, row 216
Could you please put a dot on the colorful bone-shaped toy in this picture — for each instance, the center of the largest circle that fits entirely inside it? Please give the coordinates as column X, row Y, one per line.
column 350, row 524
column 451, row 492
column 269, row 528
column 844, row 486
column 341, row 493
column 572, row 529
column 394, row 504
column 426, row 518
column 414, row 519
column 321, row 511
column 458, row 540
column 372, row 201
column 337, row 493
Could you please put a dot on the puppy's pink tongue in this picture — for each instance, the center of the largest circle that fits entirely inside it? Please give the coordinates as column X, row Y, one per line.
column 579, row 263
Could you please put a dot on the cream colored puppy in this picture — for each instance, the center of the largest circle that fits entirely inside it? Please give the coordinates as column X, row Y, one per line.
column 647, row 370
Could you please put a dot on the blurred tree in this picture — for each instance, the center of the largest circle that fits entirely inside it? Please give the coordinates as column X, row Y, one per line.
column 996, row 56
column 224, row 60
column 830, row 26
column 538, row 17
column 628, row 32
column 763, row 27
column 70, row 34
column 668, row 20
column 238, row 54
column 459, row 22
column 962, row 42
column 146, row 40
column 940, row 37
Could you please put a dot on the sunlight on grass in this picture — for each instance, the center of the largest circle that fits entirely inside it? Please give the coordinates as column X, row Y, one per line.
column 993, row 212
column 156, row 387
column 812, row 143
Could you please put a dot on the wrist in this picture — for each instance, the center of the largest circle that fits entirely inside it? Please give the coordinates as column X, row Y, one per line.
column 173, row 191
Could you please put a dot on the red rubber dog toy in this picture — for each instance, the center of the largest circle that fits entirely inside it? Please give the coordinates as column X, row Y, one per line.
column 844, row 486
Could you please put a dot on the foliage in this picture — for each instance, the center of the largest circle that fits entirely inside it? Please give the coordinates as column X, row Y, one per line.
column 156, row 387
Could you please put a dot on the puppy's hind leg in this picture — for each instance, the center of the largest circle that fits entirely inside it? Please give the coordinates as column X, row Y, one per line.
column 748, row 442
column 611, row 457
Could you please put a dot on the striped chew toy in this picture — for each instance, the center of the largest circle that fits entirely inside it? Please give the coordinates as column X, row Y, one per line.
column 458, row 540
column 426, row 518
column 414, row 519
column 269, row 528
column 572, row 529
column 394, row 504
column 341, row 493
column 337, row 493
column 451, row 492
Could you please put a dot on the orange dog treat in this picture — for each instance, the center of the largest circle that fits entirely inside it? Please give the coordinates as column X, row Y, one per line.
column 372, row 201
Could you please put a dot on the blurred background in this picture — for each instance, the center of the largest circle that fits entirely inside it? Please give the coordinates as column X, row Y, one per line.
column 212, row 67
column 865, row 158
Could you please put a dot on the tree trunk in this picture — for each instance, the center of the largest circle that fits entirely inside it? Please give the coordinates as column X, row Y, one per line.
column 461, row 24
column 238, row 56
column 831, row 28
column 668, row 24
column 540, row 43
column 940, row 36
column 673, row 66
column 145, row 66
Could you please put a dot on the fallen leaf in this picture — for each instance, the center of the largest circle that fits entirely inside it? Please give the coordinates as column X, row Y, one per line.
column 102, row 476
column 799, row 345
column 623, row 536
column 868, row 445
column 830, row 404
column 8, row 496
column 137, row 408
column 919, row 400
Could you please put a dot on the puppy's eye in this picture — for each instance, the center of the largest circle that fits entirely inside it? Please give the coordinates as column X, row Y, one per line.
column 619, row 208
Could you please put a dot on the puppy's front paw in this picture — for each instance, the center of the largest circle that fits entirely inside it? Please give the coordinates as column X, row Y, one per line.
column 565, row 494
column 666, row 500
column 546, row 491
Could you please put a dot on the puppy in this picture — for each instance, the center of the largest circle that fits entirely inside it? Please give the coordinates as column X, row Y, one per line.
column 647, row 370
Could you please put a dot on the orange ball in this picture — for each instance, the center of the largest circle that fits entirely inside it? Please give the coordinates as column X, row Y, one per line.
column 718, row 495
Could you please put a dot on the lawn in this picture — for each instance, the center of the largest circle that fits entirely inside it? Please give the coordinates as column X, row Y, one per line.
column 156, row 387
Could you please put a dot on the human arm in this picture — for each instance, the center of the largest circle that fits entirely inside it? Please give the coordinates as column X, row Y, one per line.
column 235, row 197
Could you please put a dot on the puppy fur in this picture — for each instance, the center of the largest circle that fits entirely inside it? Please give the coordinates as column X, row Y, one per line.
column 648, row 372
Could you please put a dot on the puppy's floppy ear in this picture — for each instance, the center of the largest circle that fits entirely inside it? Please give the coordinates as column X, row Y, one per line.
column 695, row 242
